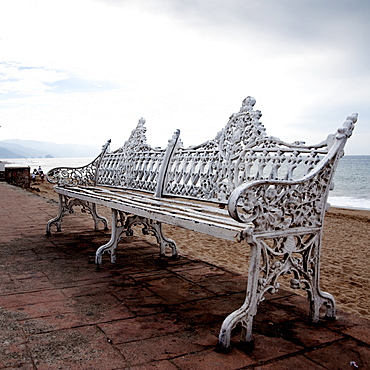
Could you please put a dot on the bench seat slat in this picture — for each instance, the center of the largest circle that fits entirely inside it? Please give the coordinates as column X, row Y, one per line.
column 147, row 200
column 163, row 210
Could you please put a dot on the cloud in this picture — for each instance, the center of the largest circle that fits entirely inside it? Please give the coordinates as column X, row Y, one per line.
column 286, row 19
column 183, row 64
column 277, row 28
column 23, row 80
column 17, row 80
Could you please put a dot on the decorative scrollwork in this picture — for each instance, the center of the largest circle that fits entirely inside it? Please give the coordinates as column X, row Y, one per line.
column 85, row 175
column 296, row 255
column 137, row 140
column 122, row 223
column 273, row 205
column 242, row 152
column 136, row 165
column 271, row 258
column 242, row 130
column 153, row 228
column 277, row 205
column 67, row 205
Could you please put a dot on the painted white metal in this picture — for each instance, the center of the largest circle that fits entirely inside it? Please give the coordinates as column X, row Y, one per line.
column 242, row 185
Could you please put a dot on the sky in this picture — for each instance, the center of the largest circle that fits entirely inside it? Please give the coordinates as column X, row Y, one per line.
column 85, row 71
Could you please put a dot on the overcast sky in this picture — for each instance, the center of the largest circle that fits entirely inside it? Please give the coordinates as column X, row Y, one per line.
column 84, row 71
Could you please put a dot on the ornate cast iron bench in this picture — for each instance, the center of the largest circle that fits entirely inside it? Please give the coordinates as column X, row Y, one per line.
column 243, row 185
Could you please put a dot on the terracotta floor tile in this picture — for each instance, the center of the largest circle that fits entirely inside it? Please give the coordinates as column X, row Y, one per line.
column 175, row 290
column 160, row 348
column 100, row 308
column 359, row 332
column 294, row 362
column 157, row 365
column 214, row 309
column 209, row 359
column 57, row 311
column 308, row 334
column 215, row 280
column 21, row 299
column 41, row 309
column 54, row 322
column 142, row 327
column 146, row 305
column 79, row 348
column 341, row 354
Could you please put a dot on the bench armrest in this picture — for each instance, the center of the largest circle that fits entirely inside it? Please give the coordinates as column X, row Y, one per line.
column 85, row 175
column 72, row 175
column 273, row 205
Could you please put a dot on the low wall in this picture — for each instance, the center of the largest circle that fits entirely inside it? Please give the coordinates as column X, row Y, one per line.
column 2, row 171
column 19, row 176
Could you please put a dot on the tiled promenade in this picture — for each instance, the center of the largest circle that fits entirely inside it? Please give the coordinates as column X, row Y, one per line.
column 58, row 312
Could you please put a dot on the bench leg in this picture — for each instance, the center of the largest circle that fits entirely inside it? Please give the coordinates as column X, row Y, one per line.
column 58, row 219
column 317, row 297
column 97, row 218
column 271, row 258
column 244, row 315
column 111, row 246
column 66, row 205
column 154, row 228
column 123, row 224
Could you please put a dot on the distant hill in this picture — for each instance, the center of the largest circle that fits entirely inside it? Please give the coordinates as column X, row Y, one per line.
column 6, row 153
column 41, row 149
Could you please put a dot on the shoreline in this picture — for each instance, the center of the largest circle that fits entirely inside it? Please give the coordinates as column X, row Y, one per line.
column 345, row 257
column 351, row 212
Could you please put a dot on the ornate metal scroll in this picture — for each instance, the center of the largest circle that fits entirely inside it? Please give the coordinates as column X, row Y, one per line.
column 85, row 175
column 122, row 223
column 273, row 205
column 135, row 165
column 243, row 130
column 278, row 205
column 240, row 153
column 298, row 255
column 154, row 228
column 66, row 206
column 137, row 140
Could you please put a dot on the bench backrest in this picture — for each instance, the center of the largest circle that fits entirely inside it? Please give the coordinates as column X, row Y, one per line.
column 136, row 165
column 241, row 152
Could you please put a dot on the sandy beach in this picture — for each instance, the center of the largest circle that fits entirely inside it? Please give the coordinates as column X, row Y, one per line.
column 345, row 266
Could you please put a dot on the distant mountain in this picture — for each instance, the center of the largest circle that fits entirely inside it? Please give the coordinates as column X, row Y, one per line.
column 41, row 149
column 5, row 153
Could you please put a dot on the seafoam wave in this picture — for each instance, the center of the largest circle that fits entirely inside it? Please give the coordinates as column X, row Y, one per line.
column 349, row 202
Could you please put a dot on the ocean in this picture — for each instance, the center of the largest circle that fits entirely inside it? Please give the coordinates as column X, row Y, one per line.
column 352, row 183
column 351, row 180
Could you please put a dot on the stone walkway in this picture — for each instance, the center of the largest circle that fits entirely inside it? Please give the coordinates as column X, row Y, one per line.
column 58, row 312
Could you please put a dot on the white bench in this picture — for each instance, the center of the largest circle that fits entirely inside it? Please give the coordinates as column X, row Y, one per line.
column 242, row 185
